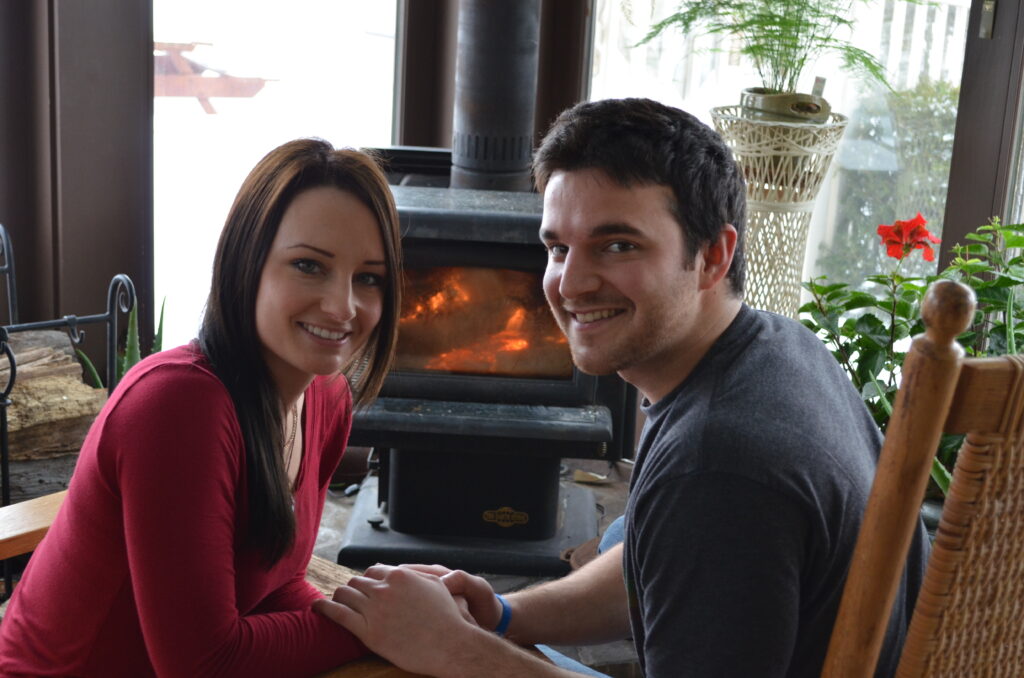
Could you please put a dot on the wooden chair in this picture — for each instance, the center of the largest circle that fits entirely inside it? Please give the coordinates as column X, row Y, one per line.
column 969, row 616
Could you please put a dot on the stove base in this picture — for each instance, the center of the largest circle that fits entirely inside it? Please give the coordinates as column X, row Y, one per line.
column 368, row 539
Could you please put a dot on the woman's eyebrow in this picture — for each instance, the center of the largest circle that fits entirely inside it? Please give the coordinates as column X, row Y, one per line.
column 310, row 247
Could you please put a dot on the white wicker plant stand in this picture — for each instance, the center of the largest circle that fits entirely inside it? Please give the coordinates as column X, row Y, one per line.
column 784, row 164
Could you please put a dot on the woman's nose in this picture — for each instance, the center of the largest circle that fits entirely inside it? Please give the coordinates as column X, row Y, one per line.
column 339, row 302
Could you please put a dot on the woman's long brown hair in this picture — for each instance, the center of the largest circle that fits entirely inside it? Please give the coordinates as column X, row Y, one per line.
column 228, row 334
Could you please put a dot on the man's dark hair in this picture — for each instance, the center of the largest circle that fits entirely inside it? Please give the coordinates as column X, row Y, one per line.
column 639, row 141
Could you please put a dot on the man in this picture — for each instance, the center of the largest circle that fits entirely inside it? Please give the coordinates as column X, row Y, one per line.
column 755, row 463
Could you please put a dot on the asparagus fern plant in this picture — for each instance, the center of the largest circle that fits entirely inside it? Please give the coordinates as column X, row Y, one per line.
column 780, row 37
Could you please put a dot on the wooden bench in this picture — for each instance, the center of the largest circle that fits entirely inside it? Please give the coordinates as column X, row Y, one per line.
column 23, row 525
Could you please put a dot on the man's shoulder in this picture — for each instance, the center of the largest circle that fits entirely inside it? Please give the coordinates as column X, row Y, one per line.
column 772, row 407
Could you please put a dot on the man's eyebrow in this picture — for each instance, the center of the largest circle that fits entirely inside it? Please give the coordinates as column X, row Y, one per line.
column 323, row 252
column 614, row 228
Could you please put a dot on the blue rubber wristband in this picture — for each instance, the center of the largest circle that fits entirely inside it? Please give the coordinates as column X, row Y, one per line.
column 506, row 615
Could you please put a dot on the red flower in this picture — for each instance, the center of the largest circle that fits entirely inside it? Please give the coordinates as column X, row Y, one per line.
column 903, row 237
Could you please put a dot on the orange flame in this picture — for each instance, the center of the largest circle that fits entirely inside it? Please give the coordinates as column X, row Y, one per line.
column 446, row 301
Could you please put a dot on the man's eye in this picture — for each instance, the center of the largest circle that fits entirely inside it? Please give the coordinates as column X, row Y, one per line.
column 621, row 247
column 307, row 266
column 557, row 250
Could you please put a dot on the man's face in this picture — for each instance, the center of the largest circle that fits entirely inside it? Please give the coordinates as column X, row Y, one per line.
column 618, row 279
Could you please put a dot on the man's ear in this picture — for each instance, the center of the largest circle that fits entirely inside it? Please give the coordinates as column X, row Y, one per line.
column 716, row 257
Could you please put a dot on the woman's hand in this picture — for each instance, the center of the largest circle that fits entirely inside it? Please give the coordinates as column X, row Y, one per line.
column 407, row 616
column 476, row 591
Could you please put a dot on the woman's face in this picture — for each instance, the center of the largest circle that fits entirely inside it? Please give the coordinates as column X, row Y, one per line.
column 321, row 291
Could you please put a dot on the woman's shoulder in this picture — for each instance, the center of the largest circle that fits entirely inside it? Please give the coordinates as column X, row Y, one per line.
column 172, row 374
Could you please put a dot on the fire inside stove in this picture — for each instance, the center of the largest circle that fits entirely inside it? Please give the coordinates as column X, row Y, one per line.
column 484, row 321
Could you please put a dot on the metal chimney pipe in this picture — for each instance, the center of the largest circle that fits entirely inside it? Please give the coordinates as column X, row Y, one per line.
column 495, row 94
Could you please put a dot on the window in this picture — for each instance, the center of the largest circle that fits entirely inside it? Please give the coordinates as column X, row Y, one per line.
column 894, row 160
column 233, row 79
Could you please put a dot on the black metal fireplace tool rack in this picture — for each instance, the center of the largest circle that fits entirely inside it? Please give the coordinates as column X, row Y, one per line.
column 120, row 297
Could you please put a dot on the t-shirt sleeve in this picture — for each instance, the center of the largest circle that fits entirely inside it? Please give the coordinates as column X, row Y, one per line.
column 718, row 572
column 172, row 448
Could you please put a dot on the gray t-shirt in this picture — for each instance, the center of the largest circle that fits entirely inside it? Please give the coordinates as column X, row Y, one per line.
column 750, row 484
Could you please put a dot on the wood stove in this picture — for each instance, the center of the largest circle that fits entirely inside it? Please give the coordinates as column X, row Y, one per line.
column 483, row 401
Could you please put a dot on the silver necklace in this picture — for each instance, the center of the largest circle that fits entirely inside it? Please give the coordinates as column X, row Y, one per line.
column 291, row 438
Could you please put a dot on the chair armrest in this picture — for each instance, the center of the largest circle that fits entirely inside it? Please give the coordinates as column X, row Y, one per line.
column 23, row 525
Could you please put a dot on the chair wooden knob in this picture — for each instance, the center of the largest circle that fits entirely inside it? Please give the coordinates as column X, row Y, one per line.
column 947, row 310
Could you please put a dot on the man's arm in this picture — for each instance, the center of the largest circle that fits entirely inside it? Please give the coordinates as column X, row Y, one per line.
column 588, row 606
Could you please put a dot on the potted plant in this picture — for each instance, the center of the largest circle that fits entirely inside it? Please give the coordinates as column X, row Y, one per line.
column 784, row 140
column 868, row 326
column 781, row 38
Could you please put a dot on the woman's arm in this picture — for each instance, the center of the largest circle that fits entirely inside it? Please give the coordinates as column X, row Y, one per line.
column 173, row 449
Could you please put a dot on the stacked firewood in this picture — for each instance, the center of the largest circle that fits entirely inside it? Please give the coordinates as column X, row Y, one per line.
column 50, row 412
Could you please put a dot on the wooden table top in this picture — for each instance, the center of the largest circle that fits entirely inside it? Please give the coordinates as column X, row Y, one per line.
column 369, row 667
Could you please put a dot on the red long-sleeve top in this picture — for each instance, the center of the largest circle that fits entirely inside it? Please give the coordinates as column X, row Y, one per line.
column 144, row 570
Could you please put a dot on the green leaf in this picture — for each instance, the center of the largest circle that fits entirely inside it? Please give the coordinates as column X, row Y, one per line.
column 870, row 364
column 825, row 290
column 872, row 390
column 949, row 447
column 906, row 308
column 1011, row 339
column 132, row 354
column 861, row 300
column 90, row 369
column 940, row 474
column 873, row 330
column 158, row 339
column 978, row 237
column 829, row 323
column 878, row 279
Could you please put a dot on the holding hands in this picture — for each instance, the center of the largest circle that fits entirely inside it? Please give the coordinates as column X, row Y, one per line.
column 416, row 616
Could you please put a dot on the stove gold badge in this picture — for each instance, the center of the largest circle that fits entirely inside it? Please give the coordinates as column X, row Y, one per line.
column 506, row 516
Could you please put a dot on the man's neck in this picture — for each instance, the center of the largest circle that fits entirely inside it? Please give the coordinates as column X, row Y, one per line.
column 716, row 314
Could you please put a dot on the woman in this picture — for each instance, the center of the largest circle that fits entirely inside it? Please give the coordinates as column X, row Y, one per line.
column 182, row 545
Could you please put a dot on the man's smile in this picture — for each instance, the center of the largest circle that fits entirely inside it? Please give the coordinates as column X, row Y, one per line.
column 594, row 316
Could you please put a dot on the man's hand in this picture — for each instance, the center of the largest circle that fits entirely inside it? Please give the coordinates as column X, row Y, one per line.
column 407, row 616
column 476, row 591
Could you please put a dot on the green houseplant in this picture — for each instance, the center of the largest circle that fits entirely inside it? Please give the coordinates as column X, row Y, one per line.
column 132, row 351
column 868, row 327
column 781, row 38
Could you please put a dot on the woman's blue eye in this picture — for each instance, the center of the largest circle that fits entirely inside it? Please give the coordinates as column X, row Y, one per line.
column 371, row 279
column 306, row 266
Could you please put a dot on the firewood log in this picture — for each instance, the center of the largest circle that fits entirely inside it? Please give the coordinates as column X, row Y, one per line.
column 50, row 413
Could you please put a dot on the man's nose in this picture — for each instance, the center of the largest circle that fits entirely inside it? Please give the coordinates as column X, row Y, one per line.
column 579, row 276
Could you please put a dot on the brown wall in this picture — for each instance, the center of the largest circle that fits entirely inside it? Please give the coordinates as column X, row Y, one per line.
column 76, row 142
